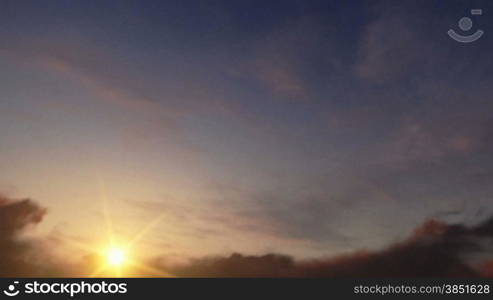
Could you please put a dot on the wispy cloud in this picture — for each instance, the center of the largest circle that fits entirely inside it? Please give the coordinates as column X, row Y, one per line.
column 278, row 58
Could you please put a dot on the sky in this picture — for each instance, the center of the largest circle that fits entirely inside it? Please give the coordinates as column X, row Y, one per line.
column 308, row 128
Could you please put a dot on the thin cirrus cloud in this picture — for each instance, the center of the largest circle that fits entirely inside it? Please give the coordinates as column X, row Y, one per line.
column 122, row 82
column 277, row 59
column 162, row 106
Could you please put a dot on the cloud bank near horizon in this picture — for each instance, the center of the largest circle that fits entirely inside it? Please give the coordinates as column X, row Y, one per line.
column 434, row 249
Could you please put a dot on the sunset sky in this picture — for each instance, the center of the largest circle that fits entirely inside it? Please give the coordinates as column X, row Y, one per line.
column 309, row 128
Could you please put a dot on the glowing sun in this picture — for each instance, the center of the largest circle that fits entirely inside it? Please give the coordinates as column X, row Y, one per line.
column 115, row 256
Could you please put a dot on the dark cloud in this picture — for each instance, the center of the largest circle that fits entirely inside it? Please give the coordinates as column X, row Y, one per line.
column 24, row 255
column 237, row 265
column 435, row 249
column 18, row 257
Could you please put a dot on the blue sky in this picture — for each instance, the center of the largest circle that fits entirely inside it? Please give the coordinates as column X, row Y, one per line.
column 302, row 127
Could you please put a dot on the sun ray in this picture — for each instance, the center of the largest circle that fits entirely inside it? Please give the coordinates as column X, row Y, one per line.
column 108, row 258
column 80, row 245
column 145, row 230
column 106, row 214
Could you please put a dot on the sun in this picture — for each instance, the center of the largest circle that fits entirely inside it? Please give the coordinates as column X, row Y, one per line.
column 115, row 256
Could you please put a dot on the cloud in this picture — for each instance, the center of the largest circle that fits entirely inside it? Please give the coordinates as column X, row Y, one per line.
column 417, row 140
column 281, row 77
column 434, row 138
column 237, row 265
column 276, row 63
column 435, row 249
column 281, row 58
column 389, row 49
column 162, row 99
column 204, row 221
column 393, row 46
column 97, row 70
column 19, row 257
column 24, row 254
